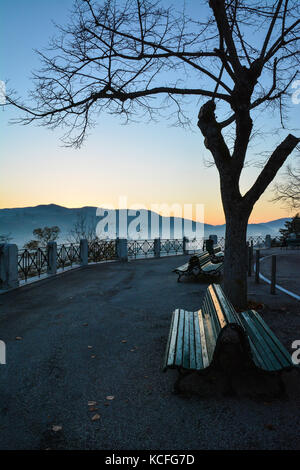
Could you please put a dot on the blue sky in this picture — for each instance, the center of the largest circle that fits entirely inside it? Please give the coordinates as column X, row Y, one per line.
column 149, row 163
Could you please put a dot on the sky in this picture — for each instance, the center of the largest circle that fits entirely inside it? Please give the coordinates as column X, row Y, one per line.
column 149, row 163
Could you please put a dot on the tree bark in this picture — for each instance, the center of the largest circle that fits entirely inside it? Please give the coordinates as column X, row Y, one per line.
column 237, row 208
column 235, row 262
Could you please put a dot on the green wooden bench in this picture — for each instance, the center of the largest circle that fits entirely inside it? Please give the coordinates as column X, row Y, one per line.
column 203, row 268
column 217, row 336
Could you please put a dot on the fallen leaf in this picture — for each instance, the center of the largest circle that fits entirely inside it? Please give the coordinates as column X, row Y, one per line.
column 92, row 403
column 93, row 356
column 124, row 341
column 90, row 347
column 85, row 324
column 92, row 408
column 95, row 417
column 110, row 397
column 56, row 428
column 19, row 337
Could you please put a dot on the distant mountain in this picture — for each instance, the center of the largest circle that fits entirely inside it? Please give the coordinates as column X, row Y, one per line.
column 20, row 222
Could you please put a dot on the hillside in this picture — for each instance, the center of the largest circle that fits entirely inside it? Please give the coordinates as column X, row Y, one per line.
column 20, row 222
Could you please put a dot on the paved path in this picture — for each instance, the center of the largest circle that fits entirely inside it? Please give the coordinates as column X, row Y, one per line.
column 51, row 373
column 287, row 269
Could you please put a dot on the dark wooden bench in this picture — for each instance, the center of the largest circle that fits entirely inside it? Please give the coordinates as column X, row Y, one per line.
column 203, row 268
column 215, row 251
column 217, row 256
column 217, row 336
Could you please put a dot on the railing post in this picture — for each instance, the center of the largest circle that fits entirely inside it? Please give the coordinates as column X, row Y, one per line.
column 52, row 258
column 84, row 252
column 257, row 266
column 121, row 248
column 273, row 275
column 214, row 238
column 250, row 259
column 8, row 266
column 157, row 247
column 268, row 241
column 184, row 245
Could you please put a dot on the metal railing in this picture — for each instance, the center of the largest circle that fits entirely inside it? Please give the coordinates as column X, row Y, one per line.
column 257, row 241
column 67, row 255
column 32, row 263
column 195, row 245
column 36, row 262
column 171, row 247
column 102, row 250
column 140, row 248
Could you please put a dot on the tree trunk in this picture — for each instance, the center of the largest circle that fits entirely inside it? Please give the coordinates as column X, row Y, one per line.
column 235, row 263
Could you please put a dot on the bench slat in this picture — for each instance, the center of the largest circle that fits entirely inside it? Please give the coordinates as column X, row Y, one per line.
column 210, row 335
column 272, row 351
column 186, row 344
column 227, row 307
column 205, row 359
column 173, row 337
column 210, row 268
column 192, row 342
column 257, row 358
column 179, row 344
column 210, row 319
column 261, row 348
column 182, row 268
column 218, row 309
column 199, row 357
column 279, row 352
column 274, row 338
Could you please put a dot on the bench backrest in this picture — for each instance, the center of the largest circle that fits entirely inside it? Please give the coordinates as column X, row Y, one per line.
column 204, row 258
column 219, row 309
column 219, row 315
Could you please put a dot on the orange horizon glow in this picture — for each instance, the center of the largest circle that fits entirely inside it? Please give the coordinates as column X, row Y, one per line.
column 216, row 219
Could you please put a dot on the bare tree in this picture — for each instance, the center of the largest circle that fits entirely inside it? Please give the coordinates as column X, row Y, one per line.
column 82, row 228
column 288, row 191
column 136, row 57
column 44, row 236
column 5, row 237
